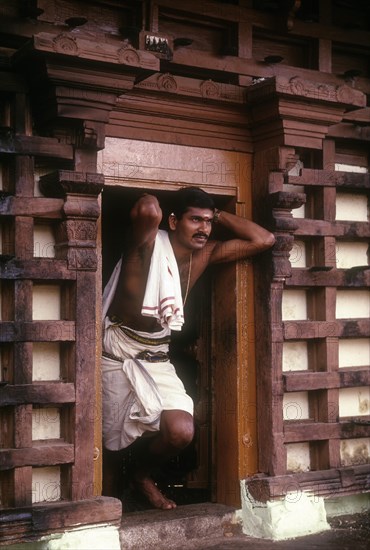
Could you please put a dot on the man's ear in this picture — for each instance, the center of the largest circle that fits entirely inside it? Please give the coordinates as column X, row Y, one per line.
column 172, row 221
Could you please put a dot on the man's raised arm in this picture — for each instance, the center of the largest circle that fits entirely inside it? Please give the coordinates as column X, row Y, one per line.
column 146, row 215
column 250, row 239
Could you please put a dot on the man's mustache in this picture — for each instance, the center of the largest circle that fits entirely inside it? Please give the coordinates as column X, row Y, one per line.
column 200, row 234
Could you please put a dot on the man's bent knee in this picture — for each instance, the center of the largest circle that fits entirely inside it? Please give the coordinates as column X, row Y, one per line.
column 177, row 428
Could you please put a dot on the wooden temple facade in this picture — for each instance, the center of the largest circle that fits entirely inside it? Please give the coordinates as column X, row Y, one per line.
column 265, row 106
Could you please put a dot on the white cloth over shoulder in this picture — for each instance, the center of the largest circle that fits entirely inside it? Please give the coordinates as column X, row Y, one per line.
column 163, row 297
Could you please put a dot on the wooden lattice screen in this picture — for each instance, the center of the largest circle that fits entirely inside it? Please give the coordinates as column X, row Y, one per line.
column 321, row 377
column 324, row 429
column 65, row 204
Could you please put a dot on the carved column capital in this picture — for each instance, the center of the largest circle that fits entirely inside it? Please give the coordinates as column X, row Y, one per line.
column 76, row 234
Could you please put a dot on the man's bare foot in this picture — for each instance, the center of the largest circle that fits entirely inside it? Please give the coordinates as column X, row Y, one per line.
column 149, row 489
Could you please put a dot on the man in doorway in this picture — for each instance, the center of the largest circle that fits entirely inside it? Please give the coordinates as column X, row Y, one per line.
column 142, row 303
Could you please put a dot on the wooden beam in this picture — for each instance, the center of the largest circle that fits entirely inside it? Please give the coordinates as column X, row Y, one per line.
column 351, row 328
column 37, row 393
column 308, row 381
column 318, row 431
column 331, row 482
column 36, row 145
column 37, row 331
column 45, row 454
column 27, row 523
column 353, row 278
column 330, row 178
column 39, row 269
column 35, row 207
column 320, row 228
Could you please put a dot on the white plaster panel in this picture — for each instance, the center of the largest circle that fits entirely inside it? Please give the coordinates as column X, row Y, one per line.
column 354, row 352
column 295, row 356
column 352, row 304
column 45, row 361
column 294, row 305
column 355, row 451
column 45, row 423
column 94, row 537
column 43, row 242
column 354, row 401
column 351, row 254
column 298, row 457
column 141, row 160
column 295, row 406
column 297, row 255
column 46, row 303
column 350, row 168
column 351, row 206
column 45, row 484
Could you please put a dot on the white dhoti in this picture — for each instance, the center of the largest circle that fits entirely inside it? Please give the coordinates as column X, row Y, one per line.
column 139, row 382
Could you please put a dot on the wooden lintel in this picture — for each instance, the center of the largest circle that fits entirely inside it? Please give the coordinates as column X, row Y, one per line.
column 37, row 331
column 37, row 393
column 44, row 454
column 36, row 145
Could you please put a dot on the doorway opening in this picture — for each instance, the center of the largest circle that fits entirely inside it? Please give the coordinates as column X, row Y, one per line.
column 190, row 477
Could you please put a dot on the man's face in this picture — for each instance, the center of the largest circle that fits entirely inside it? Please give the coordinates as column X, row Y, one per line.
column 194, row 228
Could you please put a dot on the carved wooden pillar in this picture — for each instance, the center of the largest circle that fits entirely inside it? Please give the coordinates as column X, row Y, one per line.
column 76, row 243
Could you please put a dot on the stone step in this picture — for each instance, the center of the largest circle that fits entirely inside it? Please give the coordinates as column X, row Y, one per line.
column 182, row 527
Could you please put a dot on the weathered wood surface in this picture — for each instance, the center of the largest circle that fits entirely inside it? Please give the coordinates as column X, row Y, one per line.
column 308, row 381
column 37, row 331
column 43, row 454
column 321, row 228
column 37, row 269
column 329, row 482
column 318, row 431
column 330, row 178
column 37, row 393
column 351, row 328
column 355, row 277
column 34, row 207
column 35, row 145
column 24, row 523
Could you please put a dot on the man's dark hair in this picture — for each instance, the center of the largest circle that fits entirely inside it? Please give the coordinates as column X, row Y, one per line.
column 188, row 197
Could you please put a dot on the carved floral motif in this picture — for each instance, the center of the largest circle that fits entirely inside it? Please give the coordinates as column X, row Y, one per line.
column 210, row 89
column 128, row 56
column 65, row 44
column 167, row 82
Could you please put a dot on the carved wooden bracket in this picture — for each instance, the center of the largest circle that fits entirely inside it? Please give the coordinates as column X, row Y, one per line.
column 282, row 204
column 287, row 110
